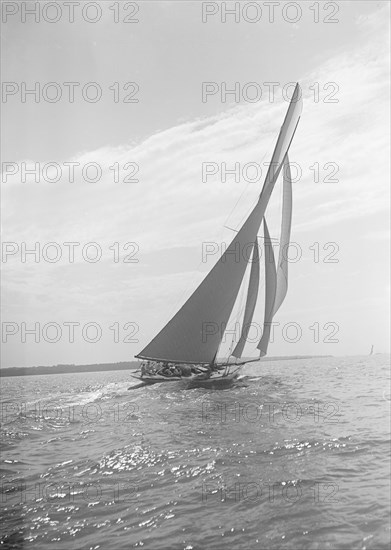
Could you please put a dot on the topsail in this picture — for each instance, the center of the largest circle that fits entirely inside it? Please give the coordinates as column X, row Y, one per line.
column 195, row 332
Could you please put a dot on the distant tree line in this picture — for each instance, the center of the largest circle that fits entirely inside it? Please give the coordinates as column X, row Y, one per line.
column 124, row 365
column 63, row 369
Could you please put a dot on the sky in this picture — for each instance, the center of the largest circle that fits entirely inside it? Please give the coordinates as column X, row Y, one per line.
column 152, row 197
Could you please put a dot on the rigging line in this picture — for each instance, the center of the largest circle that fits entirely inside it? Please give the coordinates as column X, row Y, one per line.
column 189, row 288
column 181, row 300
column 275, row 135
column 186, row 291
column 259, row 236
column 280, row 170
column 196, row 271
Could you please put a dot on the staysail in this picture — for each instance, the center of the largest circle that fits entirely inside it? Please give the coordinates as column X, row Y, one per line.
column 270, row 289
column 194, row 334
column 252, row 295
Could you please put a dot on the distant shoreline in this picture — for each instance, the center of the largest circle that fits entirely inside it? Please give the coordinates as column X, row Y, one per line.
column 65, row 369
column 124, row 365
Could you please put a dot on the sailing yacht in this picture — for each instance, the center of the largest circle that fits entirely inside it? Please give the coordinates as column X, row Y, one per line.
column 186, row 348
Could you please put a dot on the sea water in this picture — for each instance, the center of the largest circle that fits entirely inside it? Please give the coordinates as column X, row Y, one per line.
column 296, row 459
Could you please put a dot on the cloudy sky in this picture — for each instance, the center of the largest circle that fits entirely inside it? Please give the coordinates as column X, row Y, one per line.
column 339, row 285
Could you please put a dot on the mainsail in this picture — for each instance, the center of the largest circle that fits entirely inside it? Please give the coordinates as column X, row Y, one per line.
column 195, row 332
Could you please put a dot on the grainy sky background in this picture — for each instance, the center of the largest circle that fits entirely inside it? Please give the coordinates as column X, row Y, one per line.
column 169, row 133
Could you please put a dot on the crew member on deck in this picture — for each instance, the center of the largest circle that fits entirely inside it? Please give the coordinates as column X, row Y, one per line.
column 185, row 370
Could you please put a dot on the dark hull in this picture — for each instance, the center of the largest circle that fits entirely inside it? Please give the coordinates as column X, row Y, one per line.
column 215, row 382
column 157, row 379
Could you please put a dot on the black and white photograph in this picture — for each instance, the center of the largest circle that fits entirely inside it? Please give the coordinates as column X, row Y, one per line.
column 195, row 275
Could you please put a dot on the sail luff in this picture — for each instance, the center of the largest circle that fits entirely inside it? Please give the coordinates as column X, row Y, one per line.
column 252, row 295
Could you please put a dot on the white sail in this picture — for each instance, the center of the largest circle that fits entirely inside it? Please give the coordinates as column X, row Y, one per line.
column 194, row 334
column 252, row 295
column 270, row 289
column 286, row 223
